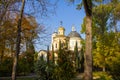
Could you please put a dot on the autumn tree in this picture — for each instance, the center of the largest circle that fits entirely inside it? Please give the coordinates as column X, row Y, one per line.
column 18, row 40
column 13, row 7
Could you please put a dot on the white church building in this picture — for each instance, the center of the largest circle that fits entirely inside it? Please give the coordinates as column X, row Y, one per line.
column 59, row 36
column 70, row 39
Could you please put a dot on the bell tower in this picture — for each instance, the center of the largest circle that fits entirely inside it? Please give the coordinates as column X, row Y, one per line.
column 61, row 30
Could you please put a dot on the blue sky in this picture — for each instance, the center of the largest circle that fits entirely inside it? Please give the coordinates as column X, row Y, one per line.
column 68, row 15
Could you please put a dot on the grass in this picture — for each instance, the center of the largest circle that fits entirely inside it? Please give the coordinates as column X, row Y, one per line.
column 25, row 78
column 19, row 78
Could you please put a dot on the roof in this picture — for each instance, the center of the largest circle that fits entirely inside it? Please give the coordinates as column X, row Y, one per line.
column 43, row 51
column 74, row 34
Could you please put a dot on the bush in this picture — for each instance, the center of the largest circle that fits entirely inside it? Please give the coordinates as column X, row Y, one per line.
column 40, row 69
column 6, row 66
column 114, row 67
column 101, row 76
column 63, row 70
column 23, row 66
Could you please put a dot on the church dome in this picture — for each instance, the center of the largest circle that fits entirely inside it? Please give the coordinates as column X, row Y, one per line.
column 74, row 34
column 61, row 28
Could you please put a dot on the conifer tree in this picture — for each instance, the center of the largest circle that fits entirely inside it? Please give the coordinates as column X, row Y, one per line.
column 48, row 63
column 48, row 54
column 64, row 70
column 59, row 53
column 82, row 60
column 76, row 56
column 53, row 56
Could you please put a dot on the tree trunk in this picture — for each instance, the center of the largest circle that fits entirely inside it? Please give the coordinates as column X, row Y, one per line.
column 18, row 41
column 88, row 49
column 2, row 51
column 103, row 68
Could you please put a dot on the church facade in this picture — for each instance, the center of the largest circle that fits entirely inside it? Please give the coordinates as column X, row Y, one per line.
column 70, row 39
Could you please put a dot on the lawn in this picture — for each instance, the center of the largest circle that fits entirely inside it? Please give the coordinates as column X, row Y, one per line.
column 19, row 78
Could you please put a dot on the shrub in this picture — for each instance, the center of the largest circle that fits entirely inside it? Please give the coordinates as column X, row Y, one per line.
column 101, row 76
column 6, row 66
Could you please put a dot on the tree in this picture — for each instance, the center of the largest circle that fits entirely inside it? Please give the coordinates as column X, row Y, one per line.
column 64, row 69
column 29, row 55
column 8, row 37
column 88, row 46
column 53, row 55
column 102, row 14
column 102, row 30
column 115, row 14
column 82, row 60
column 18, row 42
column 4, row 5
column 40, row 69
column 77, row 57
column 48, row 62
column 12, row 8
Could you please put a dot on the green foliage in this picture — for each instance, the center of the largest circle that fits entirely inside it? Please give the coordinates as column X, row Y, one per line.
column 82, row 60
column 63, row 70
column 65, row 67
column 79, row 6
column 77, row 57
column 53, row 55
column 101, row 15
column 102, row 76
column 30, row 60
column 26, row 60
column 29, row 55
column 43, row 70
column 107, row 51
column 23, row 66
column 83, row 25
column 40, row 69
column 115, row 64
column 35, row 56
column 116, row 10
column 105, row 41
column 6, row 66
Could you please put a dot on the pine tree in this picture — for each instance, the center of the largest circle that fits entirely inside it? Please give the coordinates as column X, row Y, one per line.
column 77, row 60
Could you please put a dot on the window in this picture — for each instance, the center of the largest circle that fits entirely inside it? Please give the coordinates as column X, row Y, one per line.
column 55, row 45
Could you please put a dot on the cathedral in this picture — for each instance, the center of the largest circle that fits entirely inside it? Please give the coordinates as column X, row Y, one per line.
column 59, row 36
column 70, row 39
